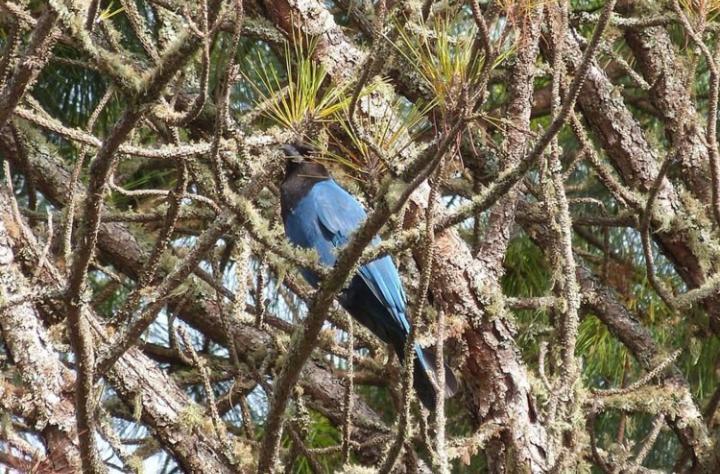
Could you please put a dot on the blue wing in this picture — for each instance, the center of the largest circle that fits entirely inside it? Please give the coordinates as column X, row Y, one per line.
column 324, row 220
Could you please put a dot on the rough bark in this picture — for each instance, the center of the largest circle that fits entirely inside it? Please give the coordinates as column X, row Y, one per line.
column 34, row 58
column 682, row 232
column 496, row 379
column 136, row 378
column 502, row 215
column 49, row 383
column 670, row 94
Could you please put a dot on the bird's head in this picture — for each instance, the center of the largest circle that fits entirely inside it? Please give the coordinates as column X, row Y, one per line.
column 299, row 160
column 297, row 150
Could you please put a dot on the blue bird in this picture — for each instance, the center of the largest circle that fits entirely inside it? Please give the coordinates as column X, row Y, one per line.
column 319, row 214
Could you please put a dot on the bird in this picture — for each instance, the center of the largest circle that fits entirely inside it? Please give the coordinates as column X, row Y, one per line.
column 320, row 214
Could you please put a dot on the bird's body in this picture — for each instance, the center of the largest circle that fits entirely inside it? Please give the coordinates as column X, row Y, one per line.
column 319, row 214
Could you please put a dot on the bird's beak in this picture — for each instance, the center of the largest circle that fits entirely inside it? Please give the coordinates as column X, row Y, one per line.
column 290, row 151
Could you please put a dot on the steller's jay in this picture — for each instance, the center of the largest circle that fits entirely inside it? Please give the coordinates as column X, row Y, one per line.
column 321, row 215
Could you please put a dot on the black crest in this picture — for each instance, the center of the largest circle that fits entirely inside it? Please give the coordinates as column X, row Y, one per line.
column 301, row 174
